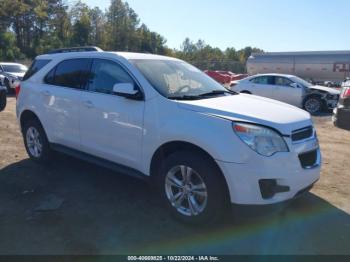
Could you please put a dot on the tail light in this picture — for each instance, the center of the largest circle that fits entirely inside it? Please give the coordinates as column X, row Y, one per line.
column 17, row 90
column 346, row 93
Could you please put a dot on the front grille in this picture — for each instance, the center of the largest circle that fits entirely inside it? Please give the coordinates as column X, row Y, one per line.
column 308, row 159
column 302, row 133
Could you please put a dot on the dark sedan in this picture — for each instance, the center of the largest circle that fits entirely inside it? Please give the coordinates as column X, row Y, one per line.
column 341, row 117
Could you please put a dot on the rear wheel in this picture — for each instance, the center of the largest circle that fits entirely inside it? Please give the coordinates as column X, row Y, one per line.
column 36, row 142
column 3, row 100
column 193, row 188
column 8, row 86
column 313, row 105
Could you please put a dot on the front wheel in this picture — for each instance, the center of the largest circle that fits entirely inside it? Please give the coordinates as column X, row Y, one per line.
column 193, row 188
column 313, row 105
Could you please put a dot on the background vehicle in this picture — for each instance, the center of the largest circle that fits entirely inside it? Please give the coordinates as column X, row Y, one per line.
column 331, row 84
column 315, row 66
column 11, row 74
column 290, row 89
column 164, row 120
column 341, row 117
column 3, row 99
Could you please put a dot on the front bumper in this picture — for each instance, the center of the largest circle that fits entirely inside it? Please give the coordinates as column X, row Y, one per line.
column 244, row 180
column 331, row 104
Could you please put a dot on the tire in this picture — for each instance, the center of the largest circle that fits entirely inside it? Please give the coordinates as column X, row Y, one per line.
column 3, row 100
column 36, row 142
column 211, row 196
column 8, row 86
column 313, row 105
column 246, row 92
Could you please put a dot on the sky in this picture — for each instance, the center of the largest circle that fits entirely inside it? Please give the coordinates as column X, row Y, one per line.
column 271, row 25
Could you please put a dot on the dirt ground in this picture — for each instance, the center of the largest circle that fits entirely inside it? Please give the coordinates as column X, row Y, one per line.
column 72, row 207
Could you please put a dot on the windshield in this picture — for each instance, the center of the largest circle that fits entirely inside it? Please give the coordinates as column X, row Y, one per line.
column 177, row 79
column 15, row 68
column 301, row 81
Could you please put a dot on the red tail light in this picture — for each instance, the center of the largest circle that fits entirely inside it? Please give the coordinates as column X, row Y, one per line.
column 346, row 93
column 17, row 90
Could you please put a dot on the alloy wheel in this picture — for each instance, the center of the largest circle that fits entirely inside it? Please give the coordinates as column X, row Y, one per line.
column 186, row 190
column 34, row 142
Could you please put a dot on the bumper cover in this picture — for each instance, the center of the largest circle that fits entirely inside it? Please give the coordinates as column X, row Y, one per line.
column 244, row 180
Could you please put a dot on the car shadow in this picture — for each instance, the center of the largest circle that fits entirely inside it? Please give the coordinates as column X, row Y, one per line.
column 101, row 212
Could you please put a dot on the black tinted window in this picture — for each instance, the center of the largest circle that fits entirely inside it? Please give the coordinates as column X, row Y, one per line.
column 35, row 67
column 69, row 73
column 105, row 74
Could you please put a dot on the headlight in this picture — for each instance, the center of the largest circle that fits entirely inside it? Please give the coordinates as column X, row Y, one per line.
column 262, row 140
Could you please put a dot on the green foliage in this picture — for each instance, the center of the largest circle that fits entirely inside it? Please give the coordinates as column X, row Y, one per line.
column 8, row 48
column 32, row 27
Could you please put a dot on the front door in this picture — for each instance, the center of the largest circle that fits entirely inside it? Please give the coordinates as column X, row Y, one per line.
column 285, row 91
column 111, row 126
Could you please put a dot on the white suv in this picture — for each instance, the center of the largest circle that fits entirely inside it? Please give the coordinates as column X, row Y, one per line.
column 162, row 119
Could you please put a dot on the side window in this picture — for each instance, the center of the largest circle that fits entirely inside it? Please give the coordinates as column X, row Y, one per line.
column 69, row 73
column 263, row 80
column 36, row 66
column 105, row 74
column 282, row 81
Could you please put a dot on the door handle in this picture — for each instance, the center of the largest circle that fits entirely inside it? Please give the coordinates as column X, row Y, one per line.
column 46, row 93
column 88, row 104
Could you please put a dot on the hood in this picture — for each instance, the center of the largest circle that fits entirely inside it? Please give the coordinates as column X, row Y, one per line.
column 325, row 89
column 254, row 109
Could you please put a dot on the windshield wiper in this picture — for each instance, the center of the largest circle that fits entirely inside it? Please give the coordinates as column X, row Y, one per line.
column 218, row 92
column 200, row 96
column 185, row 97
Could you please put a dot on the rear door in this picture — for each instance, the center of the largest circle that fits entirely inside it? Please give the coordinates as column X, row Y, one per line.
column 61, row 97
column 262, row 86
column 111, row 126
column 284, row 91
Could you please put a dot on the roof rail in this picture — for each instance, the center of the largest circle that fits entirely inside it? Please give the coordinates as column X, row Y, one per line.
column 76, row 49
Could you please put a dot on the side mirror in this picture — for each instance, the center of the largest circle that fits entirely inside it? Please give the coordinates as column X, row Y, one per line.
column 127, row 90
column 294, row 85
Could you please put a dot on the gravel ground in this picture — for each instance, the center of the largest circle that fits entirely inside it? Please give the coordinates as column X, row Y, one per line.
column 72, row 207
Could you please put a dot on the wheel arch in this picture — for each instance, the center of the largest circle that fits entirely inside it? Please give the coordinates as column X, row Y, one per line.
column 168, row 148
column 27, row 115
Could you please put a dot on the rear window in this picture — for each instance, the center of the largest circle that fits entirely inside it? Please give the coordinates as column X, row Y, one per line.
column 35, row 67
column 14, row 68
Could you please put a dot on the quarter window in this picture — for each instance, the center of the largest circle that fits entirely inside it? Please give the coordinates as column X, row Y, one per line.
column 37, row 65
column 69, row 73
column 105, row 74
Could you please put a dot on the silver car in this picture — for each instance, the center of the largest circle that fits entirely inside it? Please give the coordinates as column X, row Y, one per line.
column 290, row 89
